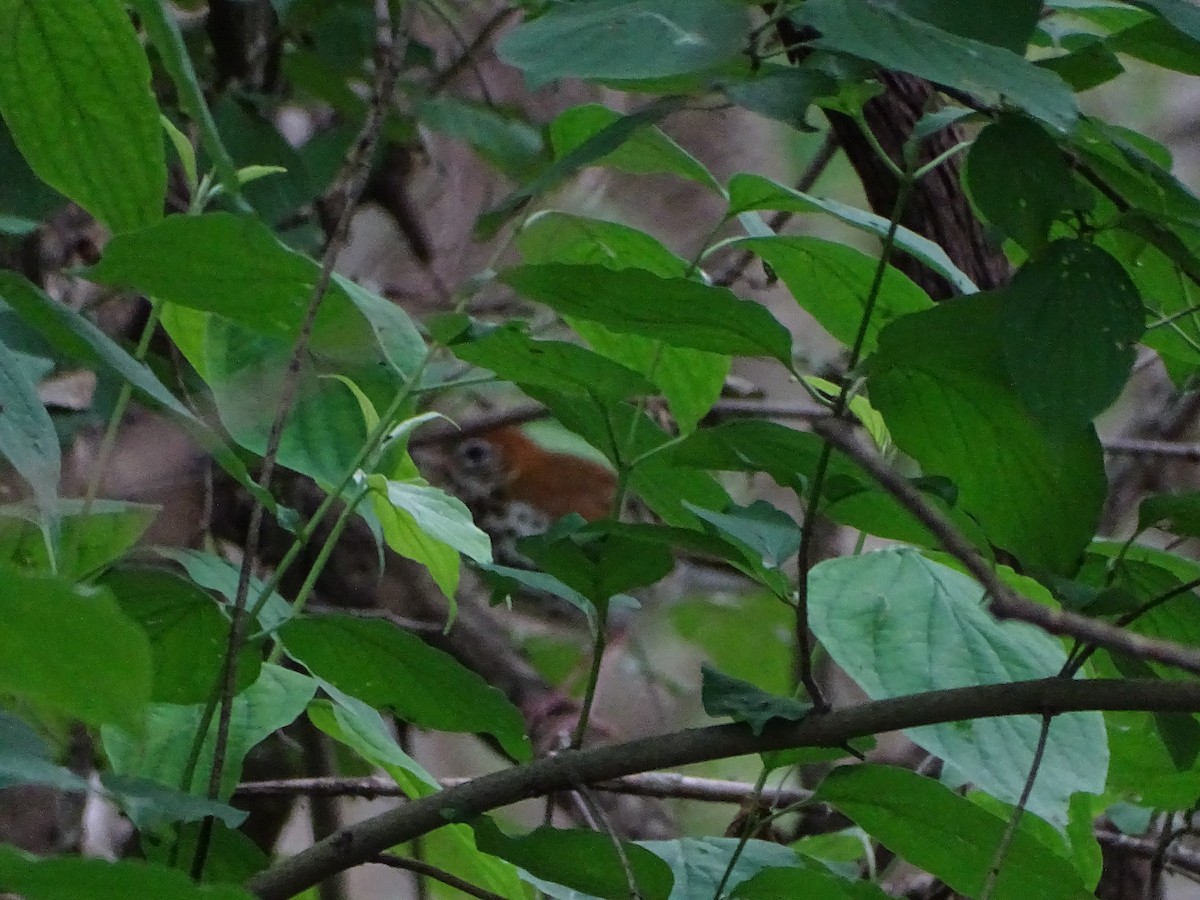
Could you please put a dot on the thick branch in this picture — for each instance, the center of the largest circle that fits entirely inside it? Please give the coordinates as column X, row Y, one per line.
column 364, row 840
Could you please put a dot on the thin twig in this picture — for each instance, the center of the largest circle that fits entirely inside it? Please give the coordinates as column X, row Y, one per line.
column 420, row 867
column 1005, row 604
column 1010, row 830
column 389, row 51
column 586, row 797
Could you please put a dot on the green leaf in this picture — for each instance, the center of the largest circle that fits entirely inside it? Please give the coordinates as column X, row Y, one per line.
column 941, row 384
column 1177, row 512
column 811, row 883
column 362, row 729
column 509, row 143
column 746, row 636
column 767, row 532
column 78, row 878
column 163, row 31
column 677, row 312
column 626, row 39
column 419, row 520
column 599, row 560
column 950, row 837
column 783, row 93
column 325, row 427
column 111, row 528
column 217, row 574
column 647, row 151
column 51, row 646
column 690, row 380
column 1019, row 179
column 1069, row 321
column 381, row 665
column 78, row 338
column 699, row 864
column 160, row 750
column 552, row 236
column 151, row 806
column 75, row 92
column 515, row 356
column 724, row 695
column 585, row 861
column 506, row 581
column 663, row 486
column 894, row 40
column 1159, row 43
column 900, row 624
column 257, row 148
column 218, row 262
column 749, row 192
column 1088, row 67
column 832, row 282
column 598, row 146
column 25, row 759
column 187, row 632
column 1180, row 13
column 27, row 436
column 1010, row 24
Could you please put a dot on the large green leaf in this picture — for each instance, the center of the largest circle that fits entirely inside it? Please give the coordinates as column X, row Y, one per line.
column 626, row 39
column 900, row 624
column 1019, row 179
column 887, row 36
column 832, row 283
column 378, row 663
column 235, row 267
column 75, row 92
column 77, row 878
column 60, row 637
column 676, row 311
column 749, row 192
column 187, row 631
column 246, row 371
column 690, row 380
column 159, row 750
column 947, row 835
column 515, row 356
column 942, row 386
column 1069, row 321
column 27, row 436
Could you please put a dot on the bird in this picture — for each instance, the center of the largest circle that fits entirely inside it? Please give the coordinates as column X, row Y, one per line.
column 516, row 488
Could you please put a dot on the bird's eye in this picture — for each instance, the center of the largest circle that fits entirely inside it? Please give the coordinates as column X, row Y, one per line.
column 475, row 455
